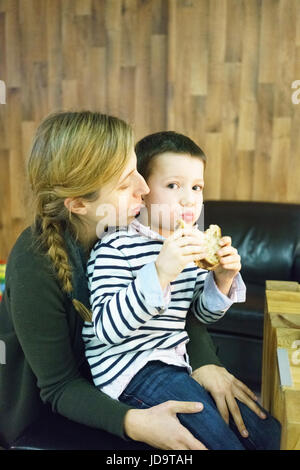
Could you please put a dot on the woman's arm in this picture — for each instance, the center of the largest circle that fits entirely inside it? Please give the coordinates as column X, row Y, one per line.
column 49, row 333
column 200, row 348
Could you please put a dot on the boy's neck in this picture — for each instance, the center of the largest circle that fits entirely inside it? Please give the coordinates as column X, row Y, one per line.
column 144, row 220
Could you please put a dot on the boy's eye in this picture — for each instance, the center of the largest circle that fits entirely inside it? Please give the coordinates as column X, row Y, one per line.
column 172, row 185
column 198, row 187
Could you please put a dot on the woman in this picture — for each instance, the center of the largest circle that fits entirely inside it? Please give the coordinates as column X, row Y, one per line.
column 82, row 173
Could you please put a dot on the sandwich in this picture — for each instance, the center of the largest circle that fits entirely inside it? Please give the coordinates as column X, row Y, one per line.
column 212, row 238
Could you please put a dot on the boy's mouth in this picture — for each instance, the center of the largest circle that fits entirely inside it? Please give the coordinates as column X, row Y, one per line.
column 187, row 217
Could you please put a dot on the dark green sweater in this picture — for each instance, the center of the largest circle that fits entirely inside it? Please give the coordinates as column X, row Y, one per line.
column 45, row 361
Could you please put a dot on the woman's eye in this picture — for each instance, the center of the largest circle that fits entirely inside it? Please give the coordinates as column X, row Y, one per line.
column 172, row 185
column 124, row 187
column 198, row 188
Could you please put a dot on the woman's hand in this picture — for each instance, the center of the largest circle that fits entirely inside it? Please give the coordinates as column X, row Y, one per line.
column 225, row 388
column 159, row 426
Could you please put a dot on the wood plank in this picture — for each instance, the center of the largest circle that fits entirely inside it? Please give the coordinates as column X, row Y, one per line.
column 13, row 44
column 213, row 171
column 215, row 94
column 171, row 64
column 142, row 101
column 158, row 82
column 249, row 66
column 219, row 71
column 98, row 82
column 234, row 30
column 197, row 39
column 54, row 54
column 280, row 157
column 246, row 137
column 262, row 185
column 129, row 24
column 83, row 7
column 286, row 58
column 217, row 31
column 228, row 184
column 269, row 41
column 282, row 286
column 284, row 302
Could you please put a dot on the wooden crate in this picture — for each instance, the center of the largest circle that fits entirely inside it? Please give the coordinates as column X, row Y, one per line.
column 282, row 330
column 282, row 310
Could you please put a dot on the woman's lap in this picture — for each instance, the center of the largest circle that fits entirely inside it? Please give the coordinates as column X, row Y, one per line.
column 158, row 382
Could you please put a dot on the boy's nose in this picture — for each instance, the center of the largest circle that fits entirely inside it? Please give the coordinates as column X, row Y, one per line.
column 187, row 200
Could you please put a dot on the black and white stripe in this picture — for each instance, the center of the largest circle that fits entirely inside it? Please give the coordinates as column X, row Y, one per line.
column 126, row 325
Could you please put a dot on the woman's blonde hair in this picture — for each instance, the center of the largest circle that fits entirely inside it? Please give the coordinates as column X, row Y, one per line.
column 72, row 155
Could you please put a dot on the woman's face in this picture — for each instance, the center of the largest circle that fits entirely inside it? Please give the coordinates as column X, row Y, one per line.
column 119, row 200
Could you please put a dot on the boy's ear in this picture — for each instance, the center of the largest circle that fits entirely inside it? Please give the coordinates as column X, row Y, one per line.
column 75, row 205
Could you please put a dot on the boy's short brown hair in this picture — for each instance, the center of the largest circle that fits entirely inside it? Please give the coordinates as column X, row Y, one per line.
column 161, row 142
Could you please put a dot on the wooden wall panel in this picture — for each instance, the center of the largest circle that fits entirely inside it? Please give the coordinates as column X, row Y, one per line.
column 218, row 70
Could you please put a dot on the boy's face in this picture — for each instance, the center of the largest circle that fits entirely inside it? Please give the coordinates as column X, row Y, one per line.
column 176, row 191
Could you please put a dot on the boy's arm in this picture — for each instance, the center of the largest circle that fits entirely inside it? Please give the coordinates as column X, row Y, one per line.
column 209, row 303
column 121, row 304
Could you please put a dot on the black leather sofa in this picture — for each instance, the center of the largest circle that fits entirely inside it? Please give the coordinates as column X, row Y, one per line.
column 267, row 236
column 55, row 432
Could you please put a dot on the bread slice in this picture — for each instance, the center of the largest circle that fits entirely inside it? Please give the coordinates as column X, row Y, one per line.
column 212, row 238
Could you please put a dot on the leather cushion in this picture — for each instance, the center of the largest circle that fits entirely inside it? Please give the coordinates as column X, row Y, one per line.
column 267, row 236
column 244, row 318
column 55, row 432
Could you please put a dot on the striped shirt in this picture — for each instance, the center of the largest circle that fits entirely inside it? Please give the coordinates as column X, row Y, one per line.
column 133, row 320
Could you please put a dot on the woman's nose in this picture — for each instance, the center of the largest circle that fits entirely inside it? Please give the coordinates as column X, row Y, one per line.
column 141, row 186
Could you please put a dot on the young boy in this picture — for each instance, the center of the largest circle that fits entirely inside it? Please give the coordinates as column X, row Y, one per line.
column 143, row 280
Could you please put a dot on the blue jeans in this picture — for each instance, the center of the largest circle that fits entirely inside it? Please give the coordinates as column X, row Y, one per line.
column 158, row 382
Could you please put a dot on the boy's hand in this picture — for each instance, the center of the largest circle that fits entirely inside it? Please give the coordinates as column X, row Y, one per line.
column 230, row 265
column 181, row 248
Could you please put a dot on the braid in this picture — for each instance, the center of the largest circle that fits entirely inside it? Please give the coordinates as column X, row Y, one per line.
column 54, row 243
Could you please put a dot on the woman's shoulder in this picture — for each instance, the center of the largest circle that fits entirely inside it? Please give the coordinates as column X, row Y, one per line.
column 25, row 252
column 28, row 268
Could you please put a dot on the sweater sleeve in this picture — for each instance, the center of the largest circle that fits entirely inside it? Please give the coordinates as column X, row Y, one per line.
column 121, row 304
column 39, row 315
column 200, row 348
